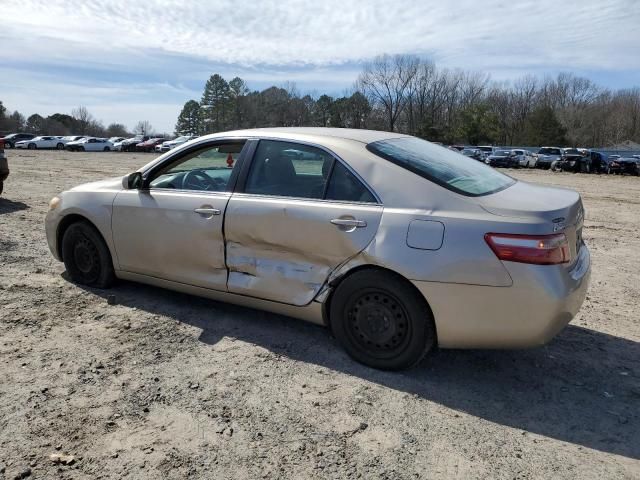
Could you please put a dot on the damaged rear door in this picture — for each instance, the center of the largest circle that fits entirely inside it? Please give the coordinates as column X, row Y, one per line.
column 299, row 213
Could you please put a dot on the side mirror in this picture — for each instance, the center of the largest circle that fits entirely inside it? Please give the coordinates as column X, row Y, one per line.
column 133, row 181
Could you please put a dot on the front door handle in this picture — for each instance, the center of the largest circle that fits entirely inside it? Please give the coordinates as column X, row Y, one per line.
column 207, row 211
column 349, row 222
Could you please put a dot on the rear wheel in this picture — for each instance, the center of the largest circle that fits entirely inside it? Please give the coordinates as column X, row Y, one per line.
column 381, row 321
column 106, row 149
column 1, row 187
column 31, row 146
column 60, row 146
column 86, row 256
column 81, row 149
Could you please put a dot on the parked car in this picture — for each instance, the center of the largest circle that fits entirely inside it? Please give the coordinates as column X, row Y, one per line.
column 548, row 155
column 574, row 160
column 473, row 153
column 149, row 145
column 502, row 158
column 129, row 145
column 524, row 158
column 10, row 140
column 629, row 165
column 115, row 140
column 487, row 149
column 4, row 166
column 615, row 165
column 230, row 217
column 169, row 144
column 41, row 142
column 90, row 144
column 72, row 138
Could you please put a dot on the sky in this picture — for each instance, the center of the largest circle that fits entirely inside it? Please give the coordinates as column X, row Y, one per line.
column 128, row 61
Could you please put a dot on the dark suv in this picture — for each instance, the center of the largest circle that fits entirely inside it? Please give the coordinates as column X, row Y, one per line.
column 10, row 140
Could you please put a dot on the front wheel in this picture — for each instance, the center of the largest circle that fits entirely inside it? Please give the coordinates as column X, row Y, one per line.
column 86, row 256
column 381, row 320
column 1, row 187
column 60, row 146
column 31, row 146
column 106, row 149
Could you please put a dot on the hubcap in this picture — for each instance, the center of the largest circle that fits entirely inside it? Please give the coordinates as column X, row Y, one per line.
column 378, row 323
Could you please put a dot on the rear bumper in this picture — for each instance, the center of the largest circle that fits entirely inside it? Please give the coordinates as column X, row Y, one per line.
column 539, row 304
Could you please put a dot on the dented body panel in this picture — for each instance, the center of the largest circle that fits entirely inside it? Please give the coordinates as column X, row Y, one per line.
column 284, row 249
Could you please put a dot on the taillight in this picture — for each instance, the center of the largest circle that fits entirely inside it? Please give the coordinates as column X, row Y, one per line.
column 535, row 249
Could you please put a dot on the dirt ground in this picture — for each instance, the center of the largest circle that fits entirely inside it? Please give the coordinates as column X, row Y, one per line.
column 164, row 385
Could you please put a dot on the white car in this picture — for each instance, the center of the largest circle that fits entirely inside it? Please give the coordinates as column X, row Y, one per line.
column 525, row 158
column 169, row 144
column 41, row 142
column 115, row 140
column 90, row 144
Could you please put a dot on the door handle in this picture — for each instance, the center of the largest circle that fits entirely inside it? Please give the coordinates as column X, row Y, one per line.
column 349, row 222
column 207, row 211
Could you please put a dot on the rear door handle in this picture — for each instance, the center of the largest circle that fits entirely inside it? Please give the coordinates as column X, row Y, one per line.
column 207, row 211
column 349, row 222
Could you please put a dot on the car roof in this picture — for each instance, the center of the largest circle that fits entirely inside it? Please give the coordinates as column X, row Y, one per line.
column 311, row 133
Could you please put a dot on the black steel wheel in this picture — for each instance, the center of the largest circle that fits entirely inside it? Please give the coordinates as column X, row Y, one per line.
column 381, row 320
column 86, row 256
column 60, row 146
column 377, row 322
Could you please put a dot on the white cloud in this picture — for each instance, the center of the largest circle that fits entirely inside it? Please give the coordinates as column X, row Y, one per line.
column 134, row 60
column 573, row 34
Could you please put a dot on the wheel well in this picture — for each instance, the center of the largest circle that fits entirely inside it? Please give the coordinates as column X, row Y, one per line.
column 65, row 223
column 326, row 306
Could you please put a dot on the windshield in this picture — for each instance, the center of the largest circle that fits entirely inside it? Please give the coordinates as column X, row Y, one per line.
column 442, row 166
column 502, row 153
column 549, row 151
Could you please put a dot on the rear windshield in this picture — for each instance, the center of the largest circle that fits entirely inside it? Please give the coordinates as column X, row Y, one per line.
column 442, row 166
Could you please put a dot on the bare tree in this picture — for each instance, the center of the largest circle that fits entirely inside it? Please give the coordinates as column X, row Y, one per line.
column 386, row 80
column 143, row 127
column 83, row 119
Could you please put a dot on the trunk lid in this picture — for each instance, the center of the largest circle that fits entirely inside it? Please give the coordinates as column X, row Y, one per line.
column 554, row 209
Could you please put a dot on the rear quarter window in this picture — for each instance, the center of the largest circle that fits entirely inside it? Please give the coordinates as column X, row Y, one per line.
column 442, row 166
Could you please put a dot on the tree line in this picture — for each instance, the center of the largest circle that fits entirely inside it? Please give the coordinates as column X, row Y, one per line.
column 79, row 122
column 400, row 93
column 411, row 95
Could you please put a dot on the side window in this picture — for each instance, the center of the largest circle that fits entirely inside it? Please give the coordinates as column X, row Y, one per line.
column 288, row 169
column 343, row 185
column 207, row 169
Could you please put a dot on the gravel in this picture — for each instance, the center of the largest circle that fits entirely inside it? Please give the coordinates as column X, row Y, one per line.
column 163, row 385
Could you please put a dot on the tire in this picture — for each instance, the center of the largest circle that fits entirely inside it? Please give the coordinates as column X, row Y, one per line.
column 106, row 149
column 86, row 256
column 381, row 321
column 81, row 149
column 60, row 146
column 1, row 187
column 32, row 146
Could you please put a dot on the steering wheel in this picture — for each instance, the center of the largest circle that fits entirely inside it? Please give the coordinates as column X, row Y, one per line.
column 199, row 180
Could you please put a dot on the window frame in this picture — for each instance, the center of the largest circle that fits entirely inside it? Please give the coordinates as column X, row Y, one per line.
column 250, row 159
column 177, row 156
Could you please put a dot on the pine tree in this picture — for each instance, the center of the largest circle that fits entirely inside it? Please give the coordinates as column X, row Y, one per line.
column 189, row 119
column 214, row 105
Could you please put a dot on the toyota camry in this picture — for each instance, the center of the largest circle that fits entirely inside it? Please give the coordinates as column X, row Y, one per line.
column 396, row 244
